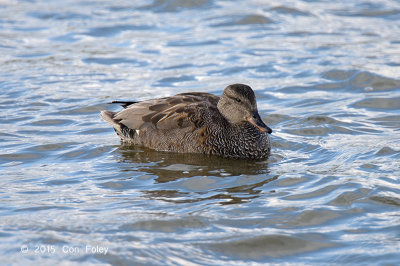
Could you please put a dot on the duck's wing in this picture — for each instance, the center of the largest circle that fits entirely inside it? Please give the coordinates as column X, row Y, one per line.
column 179, row 111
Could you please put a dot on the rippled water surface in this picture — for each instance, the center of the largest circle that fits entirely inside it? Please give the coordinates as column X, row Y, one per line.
column 327, row 80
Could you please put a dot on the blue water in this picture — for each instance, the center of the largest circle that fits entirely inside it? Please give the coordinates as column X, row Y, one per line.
column 327, row 81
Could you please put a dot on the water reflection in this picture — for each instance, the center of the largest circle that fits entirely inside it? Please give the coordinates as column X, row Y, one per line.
column 188, row 164
column 176, row 176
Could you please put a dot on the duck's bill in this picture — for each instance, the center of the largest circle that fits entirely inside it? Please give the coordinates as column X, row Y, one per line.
column 258, row 123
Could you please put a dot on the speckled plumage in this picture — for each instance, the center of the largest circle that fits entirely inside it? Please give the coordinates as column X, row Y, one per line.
column 196, row 122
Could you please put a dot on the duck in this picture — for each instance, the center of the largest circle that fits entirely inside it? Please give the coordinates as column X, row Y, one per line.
column 196, row 122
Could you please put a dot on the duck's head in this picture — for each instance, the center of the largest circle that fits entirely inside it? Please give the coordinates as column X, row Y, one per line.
column 238, row 105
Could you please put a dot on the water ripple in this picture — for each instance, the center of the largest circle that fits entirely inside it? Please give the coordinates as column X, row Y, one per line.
column 326, row 77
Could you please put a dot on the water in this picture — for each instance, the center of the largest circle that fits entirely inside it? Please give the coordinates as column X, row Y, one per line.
column 327, row 80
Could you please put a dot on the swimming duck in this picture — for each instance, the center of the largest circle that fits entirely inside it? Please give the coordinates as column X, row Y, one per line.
column 196, row 122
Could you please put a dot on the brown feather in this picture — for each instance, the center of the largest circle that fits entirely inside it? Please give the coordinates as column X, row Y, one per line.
column 165, row 113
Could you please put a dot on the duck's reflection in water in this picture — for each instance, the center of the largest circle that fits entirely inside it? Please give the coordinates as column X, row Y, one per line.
column 181, row 177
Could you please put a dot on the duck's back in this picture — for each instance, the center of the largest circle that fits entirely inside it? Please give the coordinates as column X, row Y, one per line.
column 179, row 123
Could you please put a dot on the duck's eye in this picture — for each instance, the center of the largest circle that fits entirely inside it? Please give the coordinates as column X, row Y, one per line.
column 238, row 100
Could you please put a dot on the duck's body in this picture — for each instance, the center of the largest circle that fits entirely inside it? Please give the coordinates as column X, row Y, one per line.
column 196, row 122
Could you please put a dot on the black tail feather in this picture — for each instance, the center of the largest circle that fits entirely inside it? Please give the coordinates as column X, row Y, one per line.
column 124, row 104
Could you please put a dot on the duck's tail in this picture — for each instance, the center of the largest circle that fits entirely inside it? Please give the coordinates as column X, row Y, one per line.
column 125, row 133
column 124, row 104
column 108, row 116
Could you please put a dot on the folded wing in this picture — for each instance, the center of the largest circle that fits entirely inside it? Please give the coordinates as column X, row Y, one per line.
column 165, row 113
